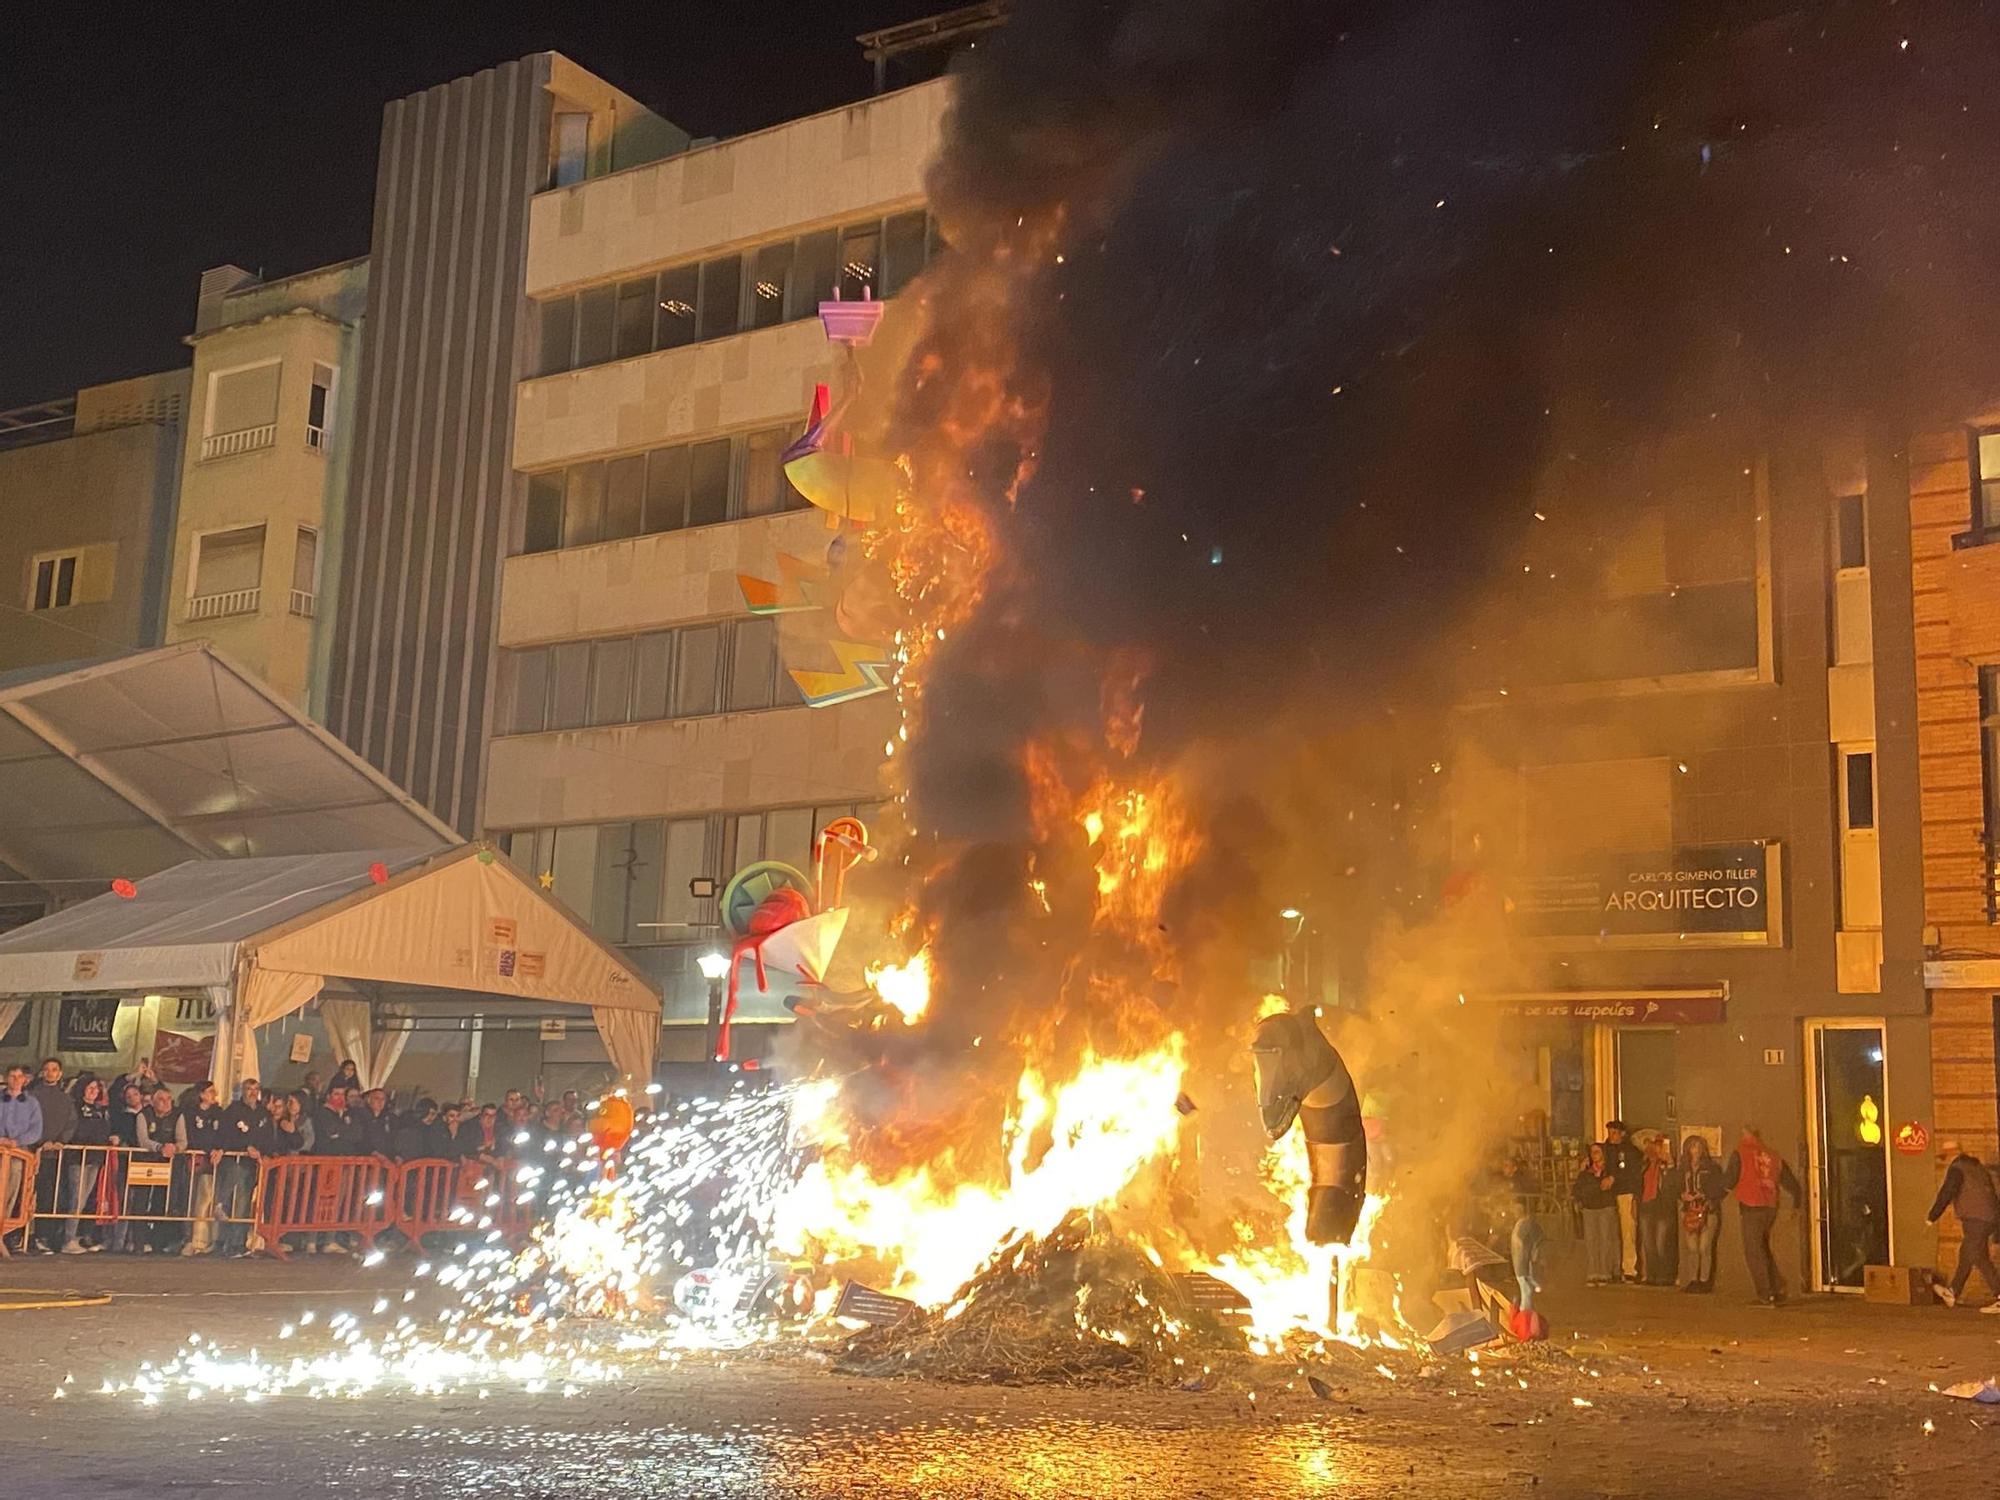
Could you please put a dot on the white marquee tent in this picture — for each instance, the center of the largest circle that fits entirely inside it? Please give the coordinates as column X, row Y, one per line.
column 264, row 937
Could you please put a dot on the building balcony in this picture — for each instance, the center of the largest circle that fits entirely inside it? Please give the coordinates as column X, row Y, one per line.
column 232, row 602
column 245, row 440
column 303, row 603
column 803, row 172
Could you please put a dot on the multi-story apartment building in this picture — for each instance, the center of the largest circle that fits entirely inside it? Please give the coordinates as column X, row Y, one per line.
column 1699, row 797
column 410, row 660
column 86, row 506
column 265, row 470
column 1954, row 486
column 649, row 730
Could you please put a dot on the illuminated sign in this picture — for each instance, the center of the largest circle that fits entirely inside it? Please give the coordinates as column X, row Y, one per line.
column 1694, row 896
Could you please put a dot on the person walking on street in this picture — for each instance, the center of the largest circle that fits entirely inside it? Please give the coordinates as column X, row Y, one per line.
column 58, row 1128
column 1659, row 1209
column 1701, row 1194
column 1968, row 1190
column 1596, row 1194
column 1628, row 1169
column 1756, row 1175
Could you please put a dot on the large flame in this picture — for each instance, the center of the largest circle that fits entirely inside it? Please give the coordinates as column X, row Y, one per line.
column 1075, row 1145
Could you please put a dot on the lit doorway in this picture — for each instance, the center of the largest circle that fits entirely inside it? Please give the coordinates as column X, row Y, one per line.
column 1634, row 1070
column 1847, row 1086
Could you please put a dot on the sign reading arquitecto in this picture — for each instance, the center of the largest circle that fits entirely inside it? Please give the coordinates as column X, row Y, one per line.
column 1693, row 896
column 86, row 1023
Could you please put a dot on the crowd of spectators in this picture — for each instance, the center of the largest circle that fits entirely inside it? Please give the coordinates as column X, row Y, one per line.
column 86, row 1203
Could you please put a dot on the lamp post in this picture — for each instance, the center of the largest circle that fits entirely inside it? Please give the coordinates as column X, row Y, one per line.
column 714, row 968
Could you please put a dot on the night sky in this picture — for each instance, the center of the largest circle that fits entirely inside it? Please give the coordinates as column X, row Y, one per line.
column 181, row 137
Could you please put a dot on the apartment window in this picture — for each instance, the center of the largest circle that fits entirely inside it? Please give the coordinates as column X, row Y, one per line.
column 1858, row 790
column 689, row 484
column 860, row 257
column 305, row 572
column 753, row 667
column 54, row 583
column 766, row 285
column 680, row 291
column 652, row 675
column 1985, row 445
column 1989, row 751
column 569, row 685
column 721, row 297
column 1851, row 528
column 610, row 681
column 556, row 320
column 228, row 573
column 526, row 682
column 569, row 148
column 634, row 318
column 770, row 280
column 241, row 400
column 319, row 406
column 698, row 672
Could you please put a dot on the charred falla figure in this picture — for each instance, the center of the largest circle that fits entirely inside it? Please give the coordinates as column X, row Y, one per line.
column 1300, row 1077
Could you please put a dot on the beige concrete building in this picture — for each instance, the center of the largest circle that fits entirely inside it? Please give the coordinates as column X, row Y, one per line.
column 647, row 729
column 265, row 467
column 86, row 502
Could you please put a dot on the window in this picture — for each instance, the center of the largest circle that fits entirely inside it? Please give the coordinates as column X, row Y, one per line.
column 1986, row 479
column 229, row 564
column 1851, row 526
column 754, row 664
column 319, row 406
column 721, row 297
column 697, row 673
column 686, row 849
column 243, row 400
column 689, row 484
column 569, row 148
column 708, row 482
column 610, row 681
column 624, row 496
column 526, row 689
column 575, row 865
column 634, row 319
column 1989, row 753
column 904, row 241
column 556, row 319
column 569, row 685
column 54, row 583
column 762, row 287
column 652, row 675
column 305, row 571
column 860, row 257
column 1858, row 790
column 680, row 290
column 770, row 277
column 596, row 320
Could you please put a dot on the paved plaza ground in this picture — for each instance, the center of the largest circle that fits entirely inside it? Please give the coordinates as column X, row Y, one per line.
column 1686, row 1396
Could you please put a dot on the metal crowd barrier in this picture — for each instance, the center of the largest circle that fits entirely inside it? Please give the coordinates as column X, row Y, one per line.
column 17, row 1191
column 113, row 1186
column 367, row 1195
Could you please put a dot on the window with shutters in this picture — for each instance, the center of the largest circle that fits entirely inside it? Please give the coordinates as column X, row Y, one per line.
column 305, row 572
column 242, row 410
column 319, row 406
column 227, row 575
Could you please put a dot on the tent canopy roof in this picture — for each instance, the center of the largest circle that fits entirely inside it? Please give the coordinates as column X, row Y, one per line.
column 126, row 766
column 460, row 920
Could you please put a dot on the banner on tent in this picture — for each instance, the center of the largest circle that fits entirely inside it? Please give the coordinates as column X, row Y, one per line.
column 86, row 1024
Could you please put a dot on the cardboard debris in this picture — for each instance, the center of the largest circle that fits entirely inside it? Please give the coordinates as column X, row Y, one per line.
column 1986, row 1392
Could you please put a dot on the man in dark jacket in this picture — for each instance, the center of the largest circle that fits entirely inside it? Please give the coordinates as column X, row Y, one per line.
column 58, row 1126
column 249, row 1137
column 1628, row 1171
column 335, row 1132
column 1968, row 1189
column 372, row 1122
column 410, row 1136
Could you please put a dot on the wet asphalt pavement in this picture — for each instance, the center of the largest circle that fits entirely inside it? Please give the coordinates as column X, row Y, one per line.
column 1685, row 1397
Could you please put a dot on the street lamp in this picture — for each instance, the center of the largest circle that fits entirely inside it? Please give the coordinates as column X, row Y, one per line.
column 714, row 968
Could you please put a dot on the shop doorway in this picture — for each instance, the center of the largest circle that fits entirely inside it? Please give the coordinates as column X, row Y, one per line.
column 1646, row 1060
column 1847, row 1083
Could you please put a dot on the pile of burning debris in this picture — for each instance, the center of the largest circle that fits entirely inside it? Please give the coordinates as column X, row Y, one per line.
column 1078, row 1306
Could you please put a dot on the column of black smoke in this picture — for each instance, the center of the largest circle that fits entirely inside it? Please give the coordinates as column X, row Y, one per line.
column 1305, row 296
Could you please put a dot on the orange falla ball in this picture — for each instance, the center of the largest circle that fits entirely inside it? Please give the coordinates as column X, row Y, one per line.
column 611, row 1124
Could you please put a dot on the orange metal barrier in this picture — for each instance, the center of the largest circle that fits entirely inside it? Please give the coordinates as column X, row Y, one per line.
column 104, row 1185
column 325, row 1195
column 364, row 1195
column 17, row 1192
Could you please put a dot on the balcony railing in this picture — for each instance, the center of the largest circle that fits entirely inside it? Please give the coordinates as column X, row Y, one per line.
column 226, row 444
column 303, row 601
column 316, row 438
column 234, row 602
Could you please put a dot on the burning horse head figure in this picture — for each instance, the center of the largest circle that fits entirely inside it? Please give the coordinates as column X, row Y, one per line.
column 1301, row 1077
